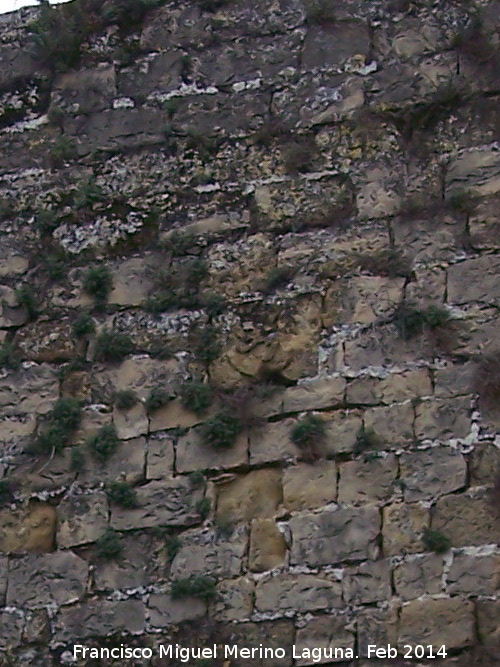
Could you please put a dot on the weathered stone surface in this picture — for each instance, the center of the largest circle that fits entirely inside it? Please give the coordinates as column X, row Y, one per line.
column 473, row 575
column 48, row 341
column 403, row 526
column 454, row 380
column 342, row 429
column 442, row 419
column 326, row 633
column 171, row 502
column 222, row 559
column 395, row 388
column 421, row 575
column 367, row 480
column 82, row 519
column 334, row 536
column 272, row 635
column 98, row 618
column 331, row 44
column 11, row 627
column 370, row 582
column 94, row 417
column 432, row 473
column 172, row 415
column 369, row 297
column 267, row 546
column 436, row 622
column 130, row 423
column 86, row 91
column 314, row 395
column 28, row 529
column 36, row 581
column 140, row 565
column 160, row 456
column 272, row 443
column 126, row 463
column 466, row 520
column 165, row 610
column 308, row 486
column 3, row 579
column 11, row 313
column 377, row 627
column 393, row 425
column 487, row 617
column 30, row 390
column 484, row 461
column 193, row 454
column 285, row 592
column 477, row 171
column 252, row 496
column 475, row 280
column 235, row 600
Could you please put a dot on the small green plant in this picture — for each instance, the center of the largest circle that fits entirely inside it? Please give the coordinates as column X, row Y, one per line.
column 83, row 326
column 308, row 434
column 172, row 545
column 214, row 304
column 61, row 151
column 77, row 462
column 6, row 495
column 98, row 282
column 122, row 494
column 202, row 587
column 366, row 439
column 203, row 508
column 125, row 399
column 109, row 546
column 104, row 443
column 113, row 346
column 56, row 267
column 27, row 298
column 87, row 194
column 411, row 321
column 278, row 276
column 206, row 345
column 57, row 37
column 299, row 157
column 9, row 357
column 67, row 414
column 197, row 478
column 221, row 431
column 196, row 396
column 224, row 527
column 46, row 221
column 62, row 422
column 435, row 540
column 158, row 396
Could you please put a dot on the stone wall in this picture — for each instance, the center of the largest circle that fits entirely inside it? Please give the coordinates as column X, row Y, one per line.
column 298, row 205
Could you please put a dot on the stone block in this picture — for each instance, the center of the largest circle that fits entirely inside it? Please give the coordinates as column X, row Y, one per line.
column 170, row 502
column 193, row 454
column 395, row 388
column 160, row 456
column 172, row 415
column 267, row 546
column 331, row 44
column 367, row 481
column 484, row 461
column 478, row 168
column 473, row 575
column 270, row 635
column 30, row 528
column 141, row 564
column 126, row 463
column 221, row 558
column 234, row 600
column 82, row 519
column 368, row 298
column 4, row 563
column 342, row 429
column 393, row 425
column 307, row 486
column 488, row 612
column 286, row 592
column 327, row 633
column 403, row 526
column 448, row 621
column 334, row 536
column 455, row 380
column 131, row 423
column 11, row 628
column 50, row 579
column 377, row 626
column 315, row 394
column 442, row 419
column 164, row 610
column 32, row 390
column 272, row 443
column 432, row 473
column 367, row 583
column 98, row 618
column 255, row 495
column 466, row 520
column 420, row 575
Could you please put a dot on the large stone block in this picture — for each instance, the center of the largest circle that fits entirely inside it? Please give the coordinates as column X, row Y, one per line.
column 437, row 622
column 370, row 582
column 11, row 628
column 222, row 559
column 473, row 575
column 432, row 473
column 160, row 456
column 30, row 390
column 420, row 575
column 307, row 486
column 395, row 388
column 393, row 425
column 98, row 618
column 476, row 170
column 315, row 394
column 377, row 626
column 131, row 423
column 28, row 529
column 51, row 579
column 82, row 519
column 141, row 564
column 234, row 600
column 466, row 520
column 272, row 443
column 267, row 546
column 326, row 633
column 342, row 429
column 256, row 495
column 331, row 44
column 164, row 610
column 170, row 502
column 442, row 419
column 403, row 526
column 285, row 593
column 367, row 481
column 488, row 612
column 194, row 454
column 126, row 463
column 334, row 536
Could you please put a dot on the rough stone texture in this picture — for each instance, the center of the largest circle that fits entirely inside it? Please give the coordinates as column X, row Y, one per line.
column 487, row 615
column 392, row 425
column 473, row 575
column 51, row 579
column 370, row 582
column 172, row 502
column 253, row 496
column 165, row 611
column 82, row 519
column 323, row 632
column 396, row 387
column 219, row 558
column 272, row 443
column 160, row 456
column 193, row 454
column 403, row 526
column 235, row 600
column 422, row 575
column 267, row 548
column 30, row 529
column 442, row 419
column 334, row 536
column 314, row 395
column 131, row 423
column 367, row 481
column 30, row 390
column 126, row 463
column 432, row 473
column 465, row 520
column 377, row 627
column 11, row 627
column 444, row 621
column 308, row 486
column 341, row 432
column 303, row 592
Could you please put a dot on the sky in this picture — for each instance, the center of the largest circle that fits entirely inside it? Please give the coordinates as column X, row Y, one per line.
column 11, row 5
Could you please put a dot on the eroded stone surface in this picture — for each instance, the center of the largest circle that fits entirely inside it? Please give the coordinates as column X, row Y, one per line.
column 267, row 546
column 252, row 496
column 450, row 621
column 303, row 592
column 30, row 529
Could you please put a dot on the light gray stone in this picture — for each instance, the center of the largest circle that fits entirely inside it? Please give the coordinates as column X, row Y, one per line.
column 220, row 558
column 421, row 575
column 370, row 582
column 160, row 456
column 165, row 610
column 11, row 628
column 126, row 463
column 82, row 519
column 334, row 536
column 437, row 622
column 284, row 593
column 131, row 423
column 442, row 419
column 476, row 170
column 234, row 600
column 272, row 443
column 314, row 395
column 326, row 633
column 367, row 480
column 432, row 473
column 342, row 429
column 475, row 280
column 393, row 425
column 29, row 390
column 474, row 575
